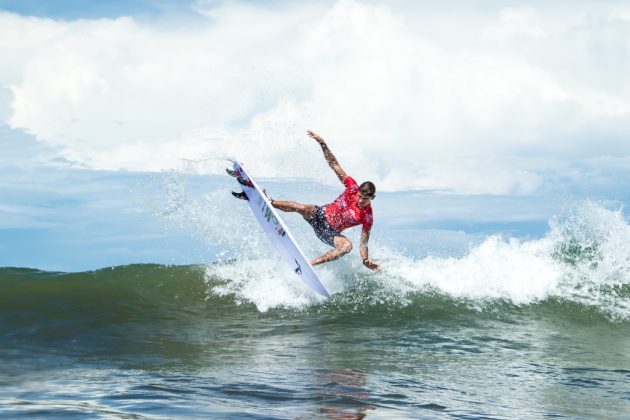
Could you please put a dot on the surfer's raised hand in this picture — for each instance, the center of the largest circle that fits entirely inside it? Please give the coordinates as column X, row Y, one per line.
column 371, row 264
column 316, row 136
column 328, row 155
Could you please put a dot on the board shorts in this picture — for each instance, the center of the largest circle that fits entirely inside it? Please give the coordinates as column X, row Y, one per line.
column 322, row 228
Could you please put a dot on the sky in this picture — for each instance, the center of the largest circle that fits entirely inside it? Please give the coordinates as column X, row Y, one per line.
column 482, row 106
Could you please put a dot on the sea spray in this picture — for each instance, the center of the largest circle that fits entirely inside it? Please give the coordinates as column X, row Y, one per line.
column 268, row 283
column 583, row 259
column 593, row 243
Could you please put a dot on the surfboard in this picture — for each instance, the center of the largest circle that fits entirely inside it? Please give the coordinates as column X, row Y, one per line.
column 275, row 228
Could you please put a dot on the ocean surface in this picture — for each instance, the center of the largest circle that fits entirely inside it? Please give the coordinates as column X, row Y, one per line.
column 511, row 328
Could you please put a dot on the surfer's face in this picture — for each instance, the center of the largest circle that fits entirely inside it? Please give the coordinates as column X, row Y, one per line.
column 364, row 199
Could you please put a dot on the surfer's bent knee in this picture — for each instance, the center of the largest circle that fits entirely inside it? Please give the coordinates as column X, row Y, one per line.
column 344, row 245
column 307, row 211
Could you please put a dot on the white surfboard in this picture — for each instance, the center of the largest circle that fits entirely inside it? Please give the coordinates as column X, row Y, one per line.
column 277, row 231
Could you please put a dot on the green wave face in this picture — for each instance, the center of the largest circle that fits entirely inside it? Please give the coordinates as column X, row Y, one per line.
column 150, row 294
column 228, row 332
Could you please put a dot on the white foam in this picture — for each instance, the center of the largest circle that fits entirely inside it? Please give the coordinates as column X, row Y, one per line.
column 267, row 283
column 597, row 279
column 584, row 258
column 499, row 269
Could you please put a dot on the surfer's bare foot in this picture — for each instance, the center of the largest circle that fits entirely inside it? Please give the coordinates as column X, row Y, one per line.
column 240, row 195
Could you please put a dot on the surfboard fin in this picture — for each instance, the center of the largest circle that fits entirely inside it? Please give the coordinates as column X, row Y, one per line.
column 240, row 195
column 238, row 178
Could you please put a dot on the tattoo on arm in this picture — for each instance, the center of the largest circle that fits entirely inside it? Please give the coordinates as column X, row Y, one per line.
column 363, row 248
column 334, row 164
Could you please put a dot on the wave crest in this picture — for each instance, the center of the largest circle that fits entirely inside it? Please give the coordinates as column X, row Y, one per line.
column 584, row 259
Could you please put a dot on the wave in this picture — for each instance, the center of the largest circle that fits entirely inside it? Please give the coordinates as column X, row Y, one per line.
column 582, row 262
column 584, row 259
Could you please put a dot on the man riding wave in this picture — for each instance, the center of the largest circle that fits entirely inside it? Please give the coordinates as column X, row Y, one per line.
column 351, row 208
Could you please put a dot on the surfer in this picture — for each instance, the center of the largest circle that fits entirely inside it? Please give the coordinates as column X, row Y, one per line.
column 351, row 208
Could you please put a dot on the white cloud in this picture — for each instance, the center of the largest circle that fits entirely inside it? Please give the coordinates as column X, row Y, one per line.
column 396, row 105
column 455, row 175
column 621, row 11
column 516, row 22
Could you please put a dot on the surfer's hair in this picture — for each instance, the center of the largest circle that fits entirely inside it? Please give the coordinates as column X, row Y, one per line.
column 368, row 188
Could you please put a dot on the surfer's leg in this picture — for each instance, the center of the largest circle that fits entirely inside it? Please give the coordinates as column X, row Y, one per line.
column 306, row 210
column 342, row 247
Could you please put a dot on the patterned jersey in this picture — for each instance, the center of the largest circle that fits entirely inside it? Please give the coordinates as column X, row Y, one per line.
column 344, row 212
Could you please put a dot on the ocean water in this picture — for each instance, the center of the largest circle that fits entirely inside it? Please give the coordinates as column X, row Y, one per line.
column 510, row 328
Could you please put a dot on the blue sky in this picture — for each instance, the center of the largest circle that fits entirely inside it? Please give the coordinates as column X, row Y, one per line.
column 75, row 9
column 495, row 116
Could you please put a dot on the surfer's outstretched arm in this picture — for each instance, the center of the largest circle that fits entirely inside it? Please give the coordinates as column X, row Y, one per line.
column 330, row 158
column 363, row 251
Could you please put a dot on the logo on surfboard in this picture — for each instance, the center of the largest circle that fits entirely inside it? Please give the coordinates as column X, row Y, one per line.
column 268, row 214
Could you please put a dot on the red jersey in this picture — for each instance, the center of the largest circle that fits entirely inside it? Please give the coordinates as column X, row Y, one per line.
column 344, row 212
